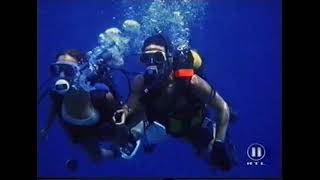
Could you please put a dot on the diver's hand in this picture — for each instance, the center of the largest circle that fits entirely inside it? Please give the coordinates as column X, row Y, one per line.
column 44, row 134
column 120, row 116
column 222, row 155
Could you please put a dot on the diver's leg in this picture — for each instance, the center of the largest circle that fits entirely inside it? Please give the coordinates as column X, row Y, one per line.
column 216, row 153
column 92, row 148
column 126, row 144
column 122, row 135
column 127, row 141
column 200, row 138
column 95, row 152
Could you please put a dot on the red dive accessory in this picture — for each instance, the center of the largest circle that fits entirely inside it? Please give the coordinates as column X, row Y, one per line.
column 184, row 73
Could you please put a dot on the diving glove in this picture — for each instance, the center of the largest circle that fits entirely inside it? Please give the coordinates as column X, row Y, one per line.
column 222, row 155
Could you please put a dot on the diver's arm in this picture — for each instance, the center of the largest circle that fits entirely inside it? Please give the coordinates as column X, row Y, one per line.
column 207, row 94
column 54, row 109
column 134, row 105
column 133, row 108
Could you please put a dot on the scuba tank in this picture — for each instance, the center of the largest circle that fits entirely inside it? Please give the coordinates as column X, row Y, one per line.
column 186, row 63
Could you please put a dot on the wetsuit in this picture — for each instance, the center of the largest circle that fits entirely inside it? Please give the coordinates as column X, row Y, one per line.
column 183, row 121
column 101, row 129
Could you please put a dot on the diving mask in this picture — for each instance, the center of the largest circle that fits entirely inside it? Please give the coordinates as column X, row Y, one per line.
column 155, row 65
column 156, row 58
column 68, row 70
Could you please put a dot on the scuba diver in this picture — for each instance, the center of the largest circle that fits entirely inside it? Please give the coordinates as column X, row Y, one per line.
column 172, row 93
column 84, row 104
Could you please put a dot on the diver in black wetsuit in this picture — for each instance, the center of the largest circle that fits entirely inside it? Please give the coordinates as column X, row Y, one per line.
column 172, row 93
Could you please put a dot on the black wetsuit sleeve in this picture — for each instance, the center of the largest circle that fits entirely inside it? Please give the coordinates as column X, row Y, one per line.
column 55, row 107
column 56, row 103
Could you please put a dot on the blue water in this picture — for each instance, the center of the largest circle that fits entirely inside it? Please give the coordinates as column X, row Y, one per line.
column 241, row 44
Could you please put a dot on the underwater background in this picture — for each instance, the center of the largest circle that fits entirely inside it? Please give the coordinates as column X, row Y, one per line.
column 240, row 44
